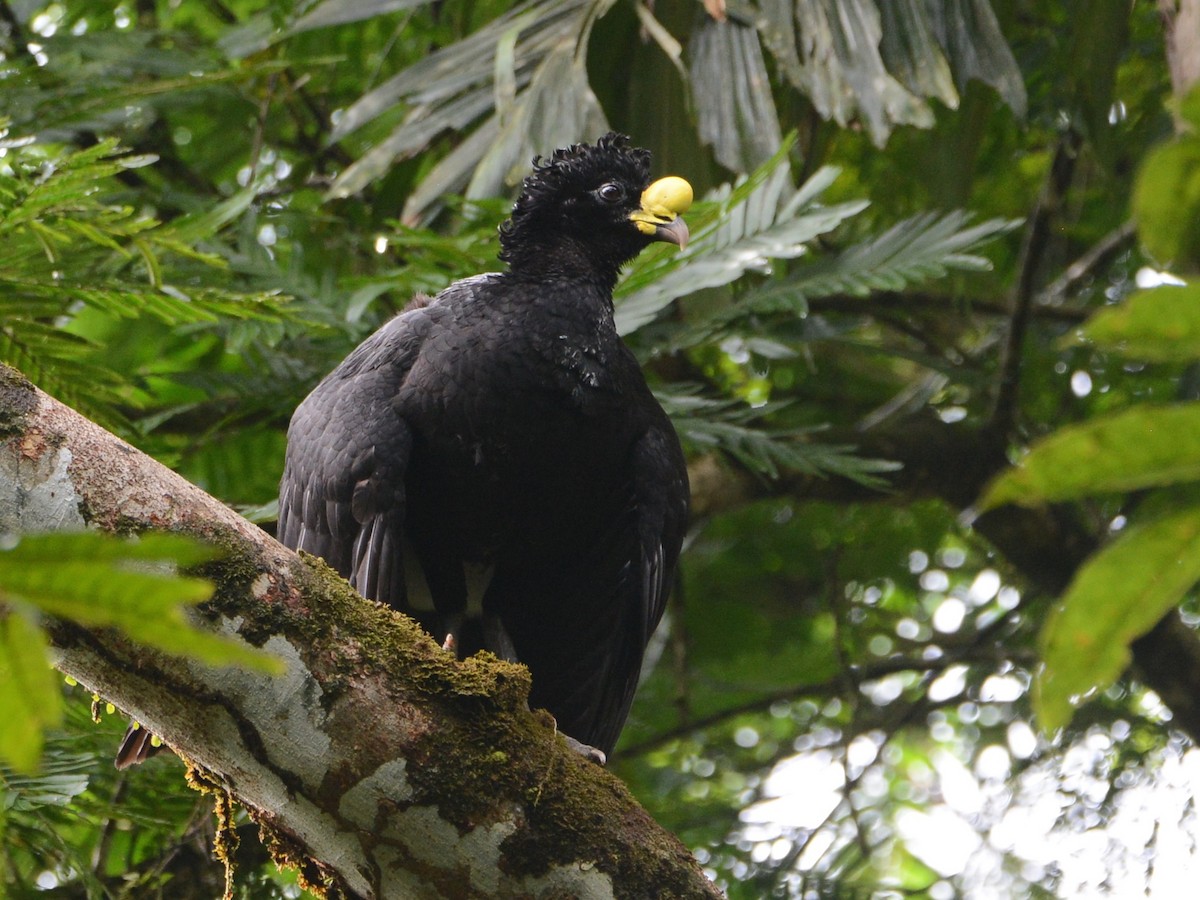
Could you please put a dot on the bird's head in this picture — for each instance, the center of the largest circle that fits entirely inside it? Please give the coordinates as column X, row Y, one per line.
column 591, row 208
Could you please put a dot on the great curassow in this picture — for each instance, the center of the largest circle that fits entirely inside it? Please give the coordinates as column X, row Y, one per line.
column 491, row 460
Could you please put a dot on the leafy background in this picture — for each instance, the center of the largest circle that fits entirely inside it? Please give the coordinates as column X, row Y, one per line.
column 913, row 263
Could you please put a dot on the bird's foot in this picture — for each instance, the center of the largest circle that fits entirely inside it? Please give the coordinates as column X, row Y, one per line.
column 453, row 624
column 587, row 751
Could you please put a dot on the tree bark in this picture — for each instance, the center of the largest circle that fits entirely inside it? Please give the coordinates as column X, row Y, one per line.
column 377, row 763
column 1181, row 26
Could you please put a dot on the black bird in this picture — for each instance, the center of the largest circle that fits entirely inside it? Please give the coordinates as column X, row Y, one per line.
column 497, row 444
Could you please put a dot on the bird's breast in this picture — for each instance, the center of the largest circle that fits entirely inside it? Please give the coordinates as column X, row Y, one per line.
column 580, row 366
column 521, row 420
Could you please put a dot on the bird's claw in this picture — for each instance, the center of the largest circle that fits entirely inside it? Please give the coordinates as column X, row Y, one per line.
column 587, row 751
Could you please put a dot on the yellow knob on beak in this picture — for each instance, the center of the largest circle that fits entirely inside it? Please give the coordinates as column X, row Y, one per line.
column 662, row 204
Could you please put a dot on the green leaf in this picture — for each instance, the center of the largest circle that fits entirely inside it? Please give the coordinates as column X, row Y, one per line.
column 1189, row 109
column 30, row 699
column 1166, row 202
column 1147, row 446
column 204, row 223
column 98, row 581
column 1161, row 324
column 340, row 12
column 731, row 90
column 1117, row 596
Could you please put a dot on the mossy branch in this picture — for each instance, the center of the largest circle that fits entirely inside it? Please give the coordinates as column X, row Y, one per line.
column 377, row 764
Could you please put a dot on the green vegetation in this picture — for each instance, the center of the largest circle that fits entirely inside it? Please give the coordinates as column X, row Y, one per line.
column 915, row 260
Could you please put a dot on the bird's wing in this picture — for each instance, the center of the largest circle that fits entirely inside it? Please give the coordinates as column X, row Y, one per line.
column 661, row 496
column 342, row 493
column 658, row 519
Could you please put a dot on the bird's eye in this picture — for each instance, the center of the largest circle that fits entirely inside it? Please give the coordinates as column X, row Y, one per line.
column 611, row 192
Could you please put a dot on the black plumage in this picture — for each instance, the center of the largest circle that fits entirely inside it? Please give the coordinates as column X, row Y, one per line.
column 499, row 441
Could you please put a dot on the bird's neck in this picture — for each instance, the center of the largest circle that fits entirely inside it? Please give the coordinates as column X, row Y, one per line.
column 590, row 297
column 589, row 282
column 565, row 259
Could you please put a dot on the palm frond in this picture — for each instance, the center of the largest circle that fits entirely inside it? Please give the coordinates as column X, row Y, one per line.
column 61, row 777
column 921, row 248
column 736, row 429
column 514, row 67
column 877, row 62
column 731, row 90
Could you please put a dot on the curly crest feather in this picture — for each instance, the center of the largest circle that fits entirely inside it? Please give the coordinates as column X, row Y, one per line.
column 550, row 195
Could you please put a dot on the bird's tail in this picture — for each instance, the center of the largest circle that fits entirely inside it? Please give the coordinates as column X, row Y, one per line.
column 137, row 746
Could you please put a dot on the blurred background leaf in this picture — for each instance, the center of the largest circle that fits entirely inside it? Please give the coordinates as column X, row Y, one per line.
column 1160, row 324
column 96, row 580
column 1118, row 596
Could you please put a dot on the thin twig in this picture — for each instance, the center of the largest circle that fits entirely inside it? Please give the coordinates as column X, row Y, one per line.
column 831, row 687
column 264, row 107
column 15, row 29
column 108, row 832
column 1033, row 252
column 853, row 693
column 1097, row 256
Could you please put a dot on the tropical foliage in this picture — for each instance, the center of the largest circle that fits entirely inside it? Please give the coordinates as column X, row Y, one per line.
column 913, row 262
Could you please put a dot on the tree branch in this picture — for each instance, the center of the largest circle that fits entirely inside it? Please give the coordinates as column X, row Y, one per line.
column 909, row 302
column 1181, row 24
column 377, row 762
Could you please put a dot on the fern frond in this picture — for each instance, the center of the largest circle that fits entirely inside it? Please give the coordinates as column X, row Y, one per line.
column 65, row 245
